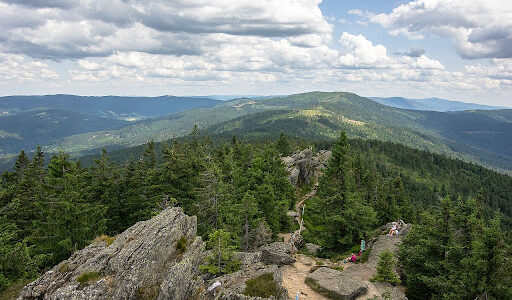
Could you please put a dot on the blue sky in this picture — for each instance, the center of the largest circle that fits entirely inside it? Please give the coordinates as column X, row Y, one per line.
column 454, row 49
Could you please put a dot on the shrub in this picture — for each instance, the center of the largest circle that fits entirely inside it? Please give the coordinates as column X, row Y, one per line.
column 386, row 268
column 262, row 286
column 88, row 277
column 181, row 245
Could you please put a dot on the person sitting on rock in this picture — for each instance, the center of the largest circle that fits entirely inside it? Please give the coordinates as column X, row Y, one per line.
column 392, row 230
column 353, row 257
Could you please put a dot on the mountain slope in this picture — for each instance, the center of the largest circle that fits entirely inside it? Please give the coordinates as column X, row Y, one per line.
column 28, row 129
column 321, row 116
column 431, row 104
column 125, row 108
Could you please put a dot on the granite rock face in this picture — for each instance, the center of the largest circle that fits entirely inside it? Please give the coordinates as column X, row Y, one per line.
column 304, row 165
column 143, row 262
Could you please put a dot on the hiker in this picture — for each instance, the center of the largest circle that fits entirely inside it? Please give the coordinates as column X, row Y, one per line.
column 363, row 245
column 353, row 257
column 392, row 230
column 297, row 296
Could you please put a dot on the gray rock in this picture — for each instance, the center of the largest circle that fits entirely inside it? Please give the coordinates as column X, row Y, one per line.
column 336, row 285
column 233, row 285
column 294, row 176
column 313, row 249
column 248, row 258
column 304, row 165
column 142, row 261
column 278, row 253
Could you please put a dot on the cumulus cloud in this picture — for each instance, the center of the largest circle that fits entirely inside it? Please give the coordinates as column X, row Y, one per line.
column 63, row 29
column 413, row 52
column 479, row 28
column 357, row 51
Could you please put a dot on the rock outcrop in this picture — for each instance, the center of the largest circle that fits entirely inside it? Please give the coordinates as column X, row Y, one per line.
column 304, row 165
column 232, row 286
column 278, row 253
column 336, row 285
column 154, row 259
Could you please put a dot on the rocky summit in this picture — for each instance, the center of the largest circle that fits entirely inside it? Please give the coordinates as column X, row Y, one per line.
column 154, row 259
column 304, row 165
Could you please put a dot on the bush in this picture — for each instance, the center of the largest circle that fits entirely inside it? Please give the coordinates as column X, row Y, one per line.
column 181, row 245
column 386, row 268
column 262, row 286
column 88, row 277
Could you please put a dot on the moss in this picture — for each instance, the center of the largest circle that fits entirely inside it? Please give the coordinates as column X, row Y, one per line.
column 262, row 286
column 181, row 245
column 148, row 292
column 88, row 277
column 104, row 238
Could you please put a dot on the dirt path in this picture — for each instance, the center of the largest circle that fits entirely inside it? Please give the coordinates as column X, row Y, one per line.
column 294, row 279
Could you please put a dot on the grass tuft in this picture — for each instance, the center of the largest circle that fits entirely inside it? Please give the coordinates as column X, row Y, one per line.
column 88, row 277
column 104, row 238
column 262, row 286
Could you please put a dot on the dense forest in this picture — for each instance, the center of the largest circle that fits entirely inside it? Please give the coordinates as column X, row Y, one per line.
column 240, row 193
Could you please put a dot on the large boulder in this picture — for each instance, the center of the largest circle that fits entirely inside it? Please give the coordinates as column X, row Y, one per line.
column 278, row 253
column 312, row 249
column 154, row 259
column 336, row 285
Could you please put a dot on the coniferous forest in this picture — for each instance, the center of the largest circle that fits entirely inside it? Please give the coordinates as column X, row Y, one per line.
column 458, row 247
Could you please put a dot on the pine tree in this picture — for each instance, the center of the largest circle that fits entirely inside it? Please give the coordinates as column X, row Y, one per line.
column 386, row 268
column 66, row 221
column 283, row 146
column 221, row 260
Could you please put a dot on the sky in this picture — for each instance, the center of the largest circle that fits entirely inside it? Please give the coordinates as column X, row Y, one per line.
column 454, row 49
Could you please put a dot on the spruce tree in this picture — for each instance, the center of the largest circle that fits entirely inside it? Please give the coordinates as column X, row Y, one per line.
column 386, row 268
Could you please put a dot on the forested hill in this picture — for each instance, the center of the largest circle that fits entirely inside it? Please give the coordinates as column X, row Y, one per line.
column 241, row 194
column 426, row 175
column 479, row 136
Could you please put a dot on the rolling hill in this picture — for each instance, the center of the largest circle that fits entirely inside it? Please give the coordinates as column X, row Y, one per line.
column 431, row 104
column 478, row 136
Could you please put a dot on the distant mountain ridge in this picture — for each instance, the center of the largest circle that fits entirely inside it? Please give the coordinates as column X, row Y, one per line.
column 483, row 136
column 479, row 136
column 432, row 104
column 116, row 107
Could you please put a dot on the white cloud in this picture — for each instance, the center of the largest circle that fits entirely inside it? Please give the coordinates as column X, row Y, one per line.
column 479, row 28
column 19, row 68
column 357, row 51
